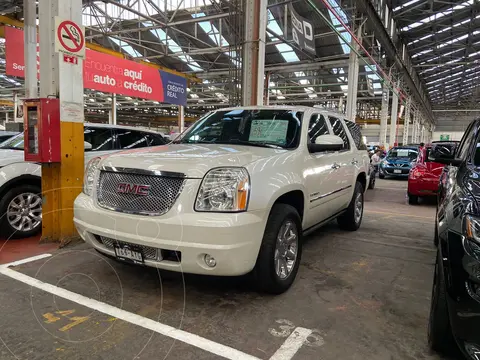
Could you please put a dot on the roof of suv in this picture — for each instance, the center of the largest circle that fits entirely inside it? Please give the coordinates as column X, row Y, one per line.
column 120, row 127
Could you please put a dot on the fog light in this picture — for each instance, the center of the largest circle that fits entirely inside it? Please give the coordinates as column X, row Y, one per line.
column 210, row 261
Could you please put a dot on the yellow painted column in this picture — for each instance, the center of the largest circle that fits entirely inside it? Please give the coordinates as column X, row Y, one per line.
column 62, row 182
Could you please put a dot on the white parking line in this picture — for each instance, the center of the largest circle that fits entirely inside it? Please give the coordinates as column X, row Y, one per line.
column 286, row 352
column 293, row 343
column 186, row 337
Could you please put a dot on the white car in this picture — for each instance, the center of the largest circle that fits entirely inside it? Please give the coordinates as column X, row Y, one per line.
column 20, row 181
column 234, row 194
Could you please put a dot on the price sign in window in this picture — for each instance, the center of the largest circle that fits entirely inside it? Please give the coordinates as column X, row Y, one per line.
column 269, row 131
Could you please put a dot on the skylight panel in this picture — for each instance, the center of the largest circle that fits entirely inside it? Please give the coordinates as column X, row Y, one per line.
column 126, row 47
column 408, row 3
column 438, row 15
column 343, row 16
column 174, row 48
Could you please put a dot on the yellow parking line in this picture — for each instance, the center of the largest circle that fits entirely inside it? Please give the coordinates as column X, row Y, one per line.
column 389, row 213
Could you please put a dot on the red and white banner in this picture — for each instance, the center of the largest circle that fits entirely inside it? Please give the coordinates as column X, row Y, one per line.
column 108, row 73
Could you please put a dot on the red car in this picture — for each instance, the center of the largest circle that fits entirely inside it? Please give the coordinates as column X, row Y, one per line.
column 424, row 176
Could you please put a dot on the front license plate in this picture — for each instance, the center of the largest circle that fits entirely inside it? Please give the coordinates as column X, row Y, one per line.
column 397, row 171
column 128, row 254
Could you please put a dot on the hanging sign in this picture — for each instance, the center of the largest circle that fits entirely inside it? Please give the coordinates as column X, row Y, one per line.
column 302, row 31
column 70, row 37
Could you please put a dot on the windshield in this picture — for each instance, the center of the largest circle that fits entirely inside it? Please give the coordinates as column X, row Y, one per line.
column 403, row 153
column 15, row 143
column 277, row 128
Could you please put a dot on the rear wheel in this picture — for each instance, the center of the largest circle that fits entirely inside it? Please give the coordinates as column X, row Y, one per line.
column 412, row 199
column 352, row 218
column 381, row 176
column 371, row 184
column 440, row 337
column 280, row 252
column 21, row 211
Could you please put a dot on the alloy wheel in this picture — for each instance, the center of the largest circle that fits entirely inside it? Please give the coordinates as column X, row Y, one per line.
column 358, row 208
column 24, row 213
column 286, row 249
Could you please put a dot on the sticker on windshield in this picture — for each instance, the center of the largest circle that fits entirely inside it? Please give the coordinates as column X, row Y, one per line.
column 270, row 131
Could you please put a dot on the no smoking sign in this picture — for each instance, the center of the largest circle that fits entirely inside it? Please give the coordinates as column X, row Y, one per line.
column 69, row 37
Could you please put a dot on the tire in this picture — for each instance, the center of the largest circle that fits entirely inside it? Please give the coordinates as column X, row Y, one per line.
column 352, row 218
column 10, row 226
column 412, row 199
column 266, row 275
column 381, row 176
column 371, row 184
column 440, row 337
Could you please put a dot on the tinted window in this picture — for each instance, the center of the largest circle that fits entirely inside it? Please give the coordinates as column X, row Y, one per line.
column 131, row 139
column 339, row 130
column 266, row 127
column 465, row 145
column 15, row 143
column 356, row 133
column 100, row 138
column 155, row 140
column 318, row 126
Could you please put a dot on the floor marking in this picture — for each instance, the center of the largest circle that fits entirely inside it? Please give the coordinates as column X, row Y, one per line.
column 76, row 320
column 389, row 213
column 181, row 335
column 293, row 343
column 27, row 260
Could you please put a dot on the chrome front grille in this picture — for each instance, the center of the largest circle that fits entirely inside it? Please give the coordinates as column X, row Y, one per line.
column 162, row 191
column 149, row 253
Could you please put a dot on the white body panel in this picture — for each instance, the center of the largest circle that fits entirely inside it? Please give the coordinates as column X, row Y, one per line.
column 233, row 239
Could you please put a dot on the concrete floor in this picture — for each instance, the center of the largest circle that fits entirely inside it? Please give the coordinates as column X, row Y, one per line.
column 364, row 295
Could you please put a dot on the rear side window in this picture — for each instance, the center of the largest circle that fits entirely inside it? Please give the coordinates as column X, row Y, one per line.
column 339, row 130
column 356, row 133
column 318, row 126
column 101, row 139
column 155, row 140
column 131, row 139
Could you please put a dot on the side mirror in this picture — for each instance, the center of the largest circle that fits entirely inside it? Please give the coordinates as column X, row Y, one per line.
column 87, row 146
column 326, row 143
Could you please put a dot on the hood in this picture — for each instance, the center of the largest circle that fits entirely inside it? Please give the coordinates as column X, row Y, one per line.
column 8, row 157
column 398, row 160
column 194, row 160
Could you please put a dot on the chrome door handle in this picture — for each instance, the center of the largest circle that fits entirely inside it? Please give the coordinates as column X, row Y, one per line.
column 335, row 166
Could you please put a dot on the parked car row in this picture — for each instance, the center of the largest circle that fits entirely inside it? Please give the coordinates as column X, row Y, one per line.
column 20, row 181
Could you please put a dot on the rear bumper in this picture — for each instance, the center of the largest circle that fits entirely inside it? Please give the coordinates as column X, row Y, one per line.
column 395, row 171
column 422, row 187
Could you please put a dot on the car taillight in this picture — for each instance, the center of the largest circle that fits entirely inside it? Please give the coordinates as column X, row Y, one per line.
column 418, row 172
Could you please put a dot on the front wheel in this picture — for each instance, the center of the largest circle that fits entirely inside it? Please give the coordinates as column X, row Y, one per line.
column 440, row 337
column 371, row 184
column 352, row 218
column 280, row 252
column 21, row 211
column 381, row 176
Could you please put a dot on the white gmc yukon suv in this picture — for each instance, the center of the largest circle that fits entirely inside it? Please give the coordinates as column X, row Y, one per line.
column 234, row 194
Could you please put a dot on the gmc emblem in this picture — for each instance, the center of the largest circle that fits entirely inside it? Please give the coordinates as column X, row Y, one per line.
column 135, row 189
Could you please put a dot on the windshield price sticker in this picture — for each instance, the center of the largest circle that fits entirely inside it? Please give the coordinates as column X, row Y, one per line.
column 270, row 131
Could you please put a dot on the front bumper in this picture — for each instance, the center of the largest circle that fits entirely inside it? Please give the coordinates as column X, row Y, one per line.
column 233, row 239
column 394, row 171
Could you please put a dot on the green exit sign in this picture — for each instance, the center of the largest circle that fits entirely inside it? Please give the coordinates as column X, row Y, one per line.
column 444, row 137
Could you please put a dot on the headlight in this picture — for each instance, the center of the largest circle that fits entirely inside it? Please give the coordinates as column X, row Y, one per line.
column 224, row 189
column 89, row 176
column 472, row 228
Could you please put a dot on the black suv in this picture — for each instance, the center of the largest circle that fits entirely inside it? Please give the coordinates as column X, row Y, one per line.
column 455, row 304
